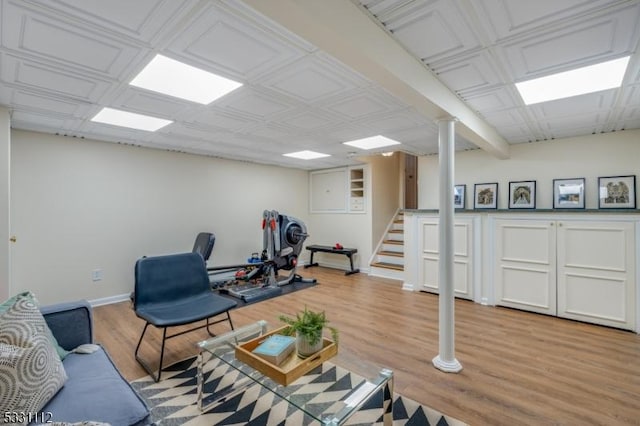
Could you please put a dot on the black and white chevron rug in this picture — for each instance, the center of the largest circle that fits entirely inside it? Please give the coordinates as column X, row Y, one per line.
column 173, row 400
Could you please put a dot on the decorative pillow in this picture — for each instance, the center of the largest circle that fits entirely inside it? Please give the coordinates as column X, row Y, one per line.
column 30, row 370
column 62, row 352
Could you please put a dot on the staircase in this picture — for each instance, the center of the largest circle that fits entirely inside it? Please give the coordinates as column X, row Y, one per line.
column 389, row 259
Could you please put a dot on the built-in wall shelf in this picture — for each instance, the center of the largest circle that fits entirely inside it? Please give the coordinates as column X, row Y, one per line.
column 356, row 189
column 340, row 190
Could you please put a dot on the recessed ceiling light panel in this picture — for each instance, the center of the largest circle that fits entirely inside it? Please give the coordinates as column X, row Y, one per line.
column 306, row 155
column 580, row 81
column 131, row 120
column 174, row 78
column 372, row 142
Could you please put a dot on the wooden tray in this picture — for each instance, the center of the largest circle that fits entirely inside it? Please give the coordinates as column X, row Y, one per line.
column 292, row 368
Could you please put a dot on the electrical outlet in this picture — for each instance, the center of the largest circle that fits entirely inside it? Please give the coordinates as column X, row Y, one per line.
column 96, row 275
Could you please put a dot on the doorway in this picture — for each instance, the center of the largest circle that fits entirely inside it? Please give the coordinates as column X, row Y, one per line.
column 410, row 181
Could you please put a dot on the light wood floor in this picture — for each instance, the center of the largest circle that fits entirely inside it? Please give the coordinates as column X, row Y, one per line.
column 519, row 368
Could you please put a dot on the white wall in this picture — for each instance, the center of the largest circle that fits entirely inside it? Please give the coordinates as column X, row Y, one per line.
column 5, row 202
column 80, row 205
column 609, row 154
column 385, row 184
column 352, row 230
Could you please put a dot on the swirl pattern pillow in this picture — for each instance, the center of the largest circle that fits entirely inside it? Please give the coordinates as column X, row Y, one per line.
column 31, row 372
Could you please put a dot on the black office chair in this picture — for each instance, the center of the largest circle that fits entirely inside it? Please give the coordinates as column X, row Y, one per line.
column 204, row 244
column 174, row 290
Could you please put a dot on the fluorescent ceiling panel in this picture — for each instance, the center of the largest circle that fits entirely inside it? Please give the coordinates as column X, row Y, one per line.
column 173, row 78
column 594, row 78
column 306, row 155
column 372, row 142
column 129, row 119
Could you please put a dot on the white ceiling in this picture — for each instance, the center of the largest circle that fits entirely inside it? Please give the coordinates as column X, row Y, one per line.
column 61, row 61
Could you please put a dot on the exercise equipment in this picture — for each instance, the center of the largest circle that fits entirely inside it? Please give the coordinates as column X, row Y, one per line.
column 283, row 237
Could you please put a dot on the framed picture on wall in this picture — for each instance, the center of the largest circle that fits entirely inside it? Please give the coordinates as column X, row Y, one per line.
column 568, row 193
column 617, row 192
column 485, row 196
column 459, row 194
column 522, row 194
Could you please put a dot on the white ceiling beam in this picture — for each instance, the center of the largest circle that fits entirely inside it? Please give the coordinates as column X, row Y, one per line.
column 343, row 30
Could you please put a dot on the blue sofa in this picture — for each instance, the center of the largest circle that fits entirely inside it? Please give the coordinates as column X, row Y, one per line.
column 95, row 390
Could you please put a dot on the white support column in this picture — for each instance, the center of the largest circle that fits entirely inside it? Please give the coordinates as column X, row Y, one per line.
column 5, row 206
column 446, row 359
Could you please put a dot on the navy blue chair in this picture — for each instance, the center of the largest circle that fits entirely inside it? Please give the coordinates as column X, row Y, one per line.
column 174, row 290
column 204, row 244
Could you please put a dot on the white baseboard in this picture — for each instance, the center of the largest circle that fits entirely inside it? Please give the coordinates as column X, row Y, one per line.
column 110, row 299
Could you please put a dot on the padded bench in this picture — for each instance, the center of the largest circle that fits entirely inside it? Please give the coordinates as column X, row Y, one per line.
column 349, row 252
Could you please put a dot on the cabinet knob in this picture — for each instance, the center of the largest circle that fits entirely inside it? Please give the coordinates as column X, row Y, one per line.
column 13, row 239
column 552, row 224
column 560, row 224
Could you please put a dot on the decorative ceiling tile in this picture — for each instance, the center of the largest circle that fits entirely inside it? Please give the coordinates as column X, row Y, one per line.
column 308, row 120
column 43, row 77
column 194, row 131
column 256, row 104
column 506, row 118
column 568, row 132
column 149, row 103
column 441, row 23
column 113, row 133
column 587, row 121
column 25, row 100
column 395, row 121
column 505, row 18
column 631, row 97
column 38, row 121
column 309, row 80
column 493, row 99
column 217, row 119
column 271, row 131
column 64, row 42
column 140, row 19
column 583, row 43
column 576, row 105
column 360, row 105
column 632, row 123
column 475, row 72
column 231, row 45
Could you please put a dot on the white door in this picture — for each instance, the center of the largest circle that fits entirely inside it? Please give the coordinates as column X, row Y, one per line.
column 525, row 265
column 463, row 258
column 596, row 272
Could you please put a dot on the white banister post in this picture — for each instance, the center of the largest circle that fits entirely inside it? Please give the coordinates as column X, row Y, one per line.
column 446, row 359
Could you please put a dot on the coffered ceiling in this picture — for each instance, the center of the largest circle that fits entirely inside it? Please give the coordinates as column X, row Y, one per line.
column 62, row 61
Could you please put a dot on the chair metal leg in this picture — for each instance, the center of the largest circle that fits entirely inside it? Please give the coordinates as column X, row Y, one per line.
column 147, row 367
column 143, row 363
column 229, row 318
column 209, row 331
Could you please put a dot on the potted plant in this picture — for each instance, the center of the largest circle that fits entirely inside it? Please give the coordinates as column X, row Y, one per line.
column 308, row 326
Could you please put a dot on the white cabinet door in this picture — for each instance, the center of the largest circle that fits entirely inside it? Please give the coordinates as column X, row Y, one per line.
column 596, row 272
column 525, row 265
column 328, row 191
column 463, row 257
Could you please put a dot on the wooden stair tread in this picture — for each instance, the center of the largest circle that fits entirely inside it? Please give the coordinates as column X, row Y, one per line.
column 396, row 231
column 391, row 253
column 388, row 266
column 394, row 242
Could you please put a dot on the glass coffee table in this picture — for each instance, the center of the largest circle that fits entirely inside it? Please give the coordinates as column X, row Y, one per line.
column 221, row 376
